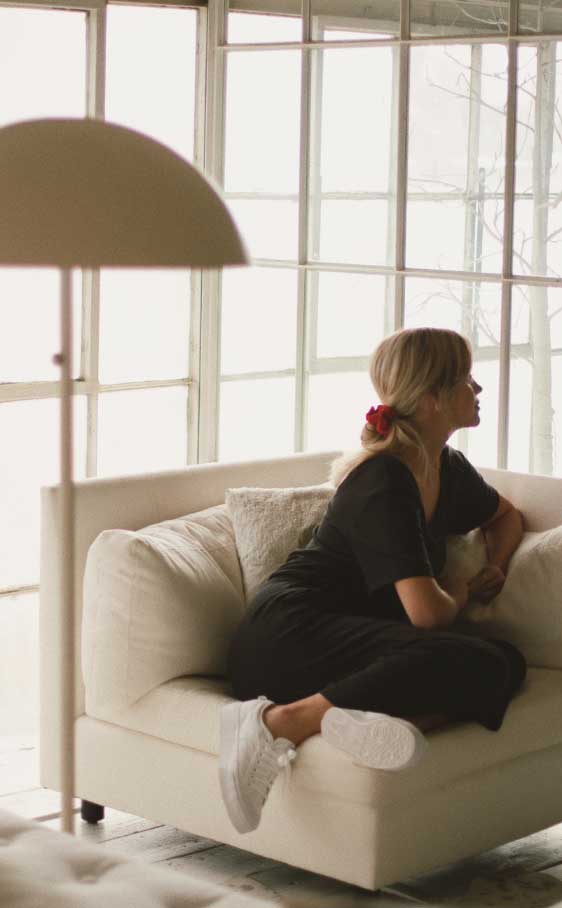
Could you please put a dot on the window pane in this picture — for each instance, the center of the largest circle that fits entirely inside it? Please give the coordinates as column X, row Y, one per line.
column 535, row 429
column 29, row 459
column 19, row 676
column 256, row 418
column 350, row 20
column 456, row 142
column 449, row 17
column 150, row 84
column 255, row 28
column 435, row 233
column 540, row 16
column 258, row 320
column 270, row 228
column 263, row 122
column 262, row 143
column 355, row 113
column 141, row 431
column 144, row 325
column 352, row 311
column 42, row 64
column 352, row 171
column 538, row 185
column 337, row 404
column 473, row 309
column 356, row 232
column 30, row 296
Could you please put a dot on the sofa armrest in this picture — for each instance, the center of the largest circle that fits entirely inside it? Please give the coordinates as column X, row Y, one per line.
column 129, row 503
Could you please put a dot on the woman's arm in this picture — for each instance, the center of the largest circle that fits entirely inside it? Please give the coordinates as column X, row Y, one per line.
column 502, row 534
column 429, row 604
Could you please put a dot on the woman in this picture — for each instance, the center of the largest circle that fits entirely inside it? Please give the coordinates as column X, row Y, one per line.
column 352, row 636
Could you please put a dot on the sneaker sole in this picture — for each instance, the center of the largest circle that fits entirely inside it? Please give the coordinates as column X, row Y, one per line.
column 382, row 743
column 229, row 726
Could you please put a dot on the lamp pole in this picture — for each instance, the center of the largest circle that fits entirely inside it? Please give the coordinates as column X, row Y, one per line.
column 67, row 679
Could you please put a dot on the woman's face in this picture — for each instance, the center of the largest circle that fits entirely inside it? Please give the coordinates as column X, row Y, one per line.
column 464, row 406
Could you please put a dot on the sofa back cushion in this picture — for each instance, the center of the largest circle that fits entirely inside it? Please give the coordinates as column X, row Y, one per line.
column 528, row 611
column 269, row 524
column 158, row 603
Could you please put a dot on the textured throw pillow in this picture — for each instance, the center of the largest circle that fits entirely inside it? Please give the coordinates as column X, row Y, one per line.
column 466, row 555
column 158, row 603
column 528, row 611
column 269, row 524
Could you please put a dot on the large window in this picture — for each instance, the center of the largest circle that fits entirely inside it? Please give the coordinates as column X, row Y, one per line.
column 429, row 179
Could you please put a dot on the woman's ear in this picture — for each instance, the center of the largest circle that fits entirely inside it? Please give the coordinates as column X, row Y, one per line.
column 428, row 406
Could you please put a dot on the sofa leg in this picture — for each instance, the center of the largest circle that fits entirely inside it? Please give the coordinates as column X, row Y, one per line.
column 91, row 812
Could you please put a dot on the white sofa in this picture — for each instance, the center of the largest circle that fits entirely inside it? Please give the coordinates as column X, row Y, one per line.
column 157, row 758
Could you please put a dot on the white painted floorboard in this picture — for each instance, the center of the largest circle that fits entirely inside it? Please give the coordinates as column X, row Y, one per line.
column 523, row 874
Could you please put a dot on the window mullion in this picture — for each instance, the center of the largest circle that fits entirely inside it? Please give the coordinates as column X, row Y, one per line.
column 507, row 263
column 209, row 385
column 95, row 106
column 402, row 161
column 314, row 215
column 390, row 315
column 301, row 326
column 90, row 363
column 195, row 310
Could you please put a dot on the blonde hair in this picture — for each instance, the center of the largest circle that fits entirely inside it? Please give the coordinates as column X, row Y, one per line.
column 403, row 368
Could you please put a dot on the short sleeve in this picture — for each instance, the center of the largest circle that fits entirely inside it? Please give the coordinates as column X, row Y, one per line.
column 472, row 501
column 387, row 540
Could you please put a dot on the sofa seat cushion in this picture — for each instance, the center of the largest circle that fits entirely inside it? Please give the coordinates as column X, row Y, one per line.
column 186, row 711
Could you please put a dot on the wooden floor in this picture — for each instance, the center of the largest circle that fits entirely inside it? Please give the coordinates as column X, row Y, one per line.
column 524, row 874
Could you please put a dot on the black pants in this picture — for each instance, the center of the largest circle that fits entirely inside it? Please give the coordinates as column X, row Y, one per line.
column 287, row 649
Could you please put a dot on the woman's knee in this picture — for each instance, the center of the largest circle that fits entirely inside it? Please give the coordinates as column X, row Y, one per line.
column 497, row 666
column 516, row 661
column 472, row 665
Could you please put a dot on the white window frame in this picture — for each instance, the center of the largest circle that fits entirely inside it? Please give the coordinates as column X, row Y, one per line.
column 306, row 363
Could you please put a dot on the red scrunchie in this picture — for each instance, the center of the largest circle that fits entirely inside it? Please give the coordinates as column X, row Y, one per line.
column 381, row 418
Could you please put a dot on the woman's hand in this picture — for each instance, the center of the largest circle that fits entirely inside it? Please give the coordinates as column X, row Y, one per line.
column 457, row 588
column 486, row 584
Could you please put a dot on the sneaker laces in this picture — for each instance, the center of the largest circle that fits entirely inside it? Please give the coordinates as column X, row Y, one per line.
column 286, row 755
column 273, row 759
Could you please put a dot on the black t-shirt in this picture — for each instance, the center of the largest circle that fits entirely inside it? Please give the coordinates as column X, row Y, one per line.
column 375, row 533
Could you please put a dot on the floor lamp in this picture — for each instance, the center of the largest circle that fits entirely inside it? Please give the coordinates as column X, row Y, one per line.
column 90, row 194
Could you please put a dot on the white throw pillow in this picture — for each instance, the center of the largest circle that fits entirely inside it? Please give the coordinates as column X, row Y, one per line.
column 528, row 611
column 158, row 603
column 269, row 524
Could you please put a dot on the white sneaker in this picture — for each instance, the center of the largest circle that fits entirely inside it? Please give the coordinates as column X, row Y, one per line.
column 374, row 739
column 250, row 760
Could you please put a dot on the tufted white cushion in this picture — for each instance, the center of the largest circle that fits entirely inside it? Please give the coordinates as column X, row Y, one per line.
column 40, row 867
column 271, row 523
column 158, row 603
column 528, row 611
